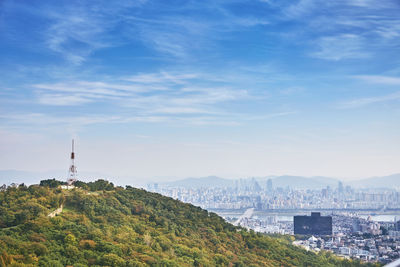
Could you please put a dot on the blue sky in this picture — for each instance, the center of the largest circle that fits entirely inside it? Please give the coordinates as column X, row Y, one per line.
column 192, row 88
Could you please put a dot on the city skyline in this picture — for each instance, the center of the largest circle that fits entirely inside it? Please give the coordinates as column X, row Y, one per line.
column 186, row 89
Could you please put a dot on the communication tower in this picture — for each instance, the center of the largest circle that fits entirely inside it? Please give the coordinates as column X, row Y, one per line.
column 72, row 173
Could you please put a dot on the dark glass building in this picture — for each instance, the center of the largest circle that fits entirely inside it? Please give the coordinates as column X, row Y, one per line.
column 313, row 225
column 397, row 225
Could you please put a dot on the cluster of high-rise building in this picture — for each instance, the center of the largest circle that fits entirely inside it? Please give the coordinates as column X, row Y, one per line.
column 252, row 195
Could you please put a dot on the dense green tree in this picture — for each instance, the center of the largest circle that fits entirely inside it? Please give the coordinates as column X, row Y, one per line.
column 53, row 183
column 104, row 225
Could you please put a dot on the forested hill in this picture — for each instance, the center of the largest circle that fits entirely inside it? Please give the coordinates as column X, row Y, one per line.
column 103, row 225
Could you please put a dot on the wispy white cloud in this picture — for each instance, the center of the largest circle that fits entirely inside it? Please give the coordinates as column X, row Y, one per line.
column 153, row 97
column 211, row 121
column 292, row 90
column 42, row 119
column 63, row 100
column 345, row 46
column 161, row 89
column 186, row 101
column 354, row 29
column 371, row 4
column 77, row 31
column 75, row 123
column 95, row 88
column 270, row 115
column 302, row 7
column 378, row 79
column 360, row 102
column 181, row 110
column 182, row 36
column 150, row 97
column 82, row 92
column 75, row 35
column 106, row 88
column 161, row 78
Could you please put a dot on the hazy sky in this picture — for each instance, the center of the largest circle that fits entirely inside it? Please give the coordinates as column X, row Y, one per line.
column 192, row 88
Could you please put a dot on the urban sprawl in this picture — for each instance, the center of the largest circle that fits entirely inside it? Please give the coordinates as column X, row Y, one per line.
column 363, row 220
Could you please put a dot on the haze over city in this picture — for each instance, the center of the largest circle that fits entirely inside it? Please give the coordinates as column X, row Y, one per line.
column 162, row 90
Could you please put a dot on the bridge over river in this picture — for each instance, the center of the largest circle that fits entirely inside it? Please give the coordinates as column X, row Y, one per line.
column 247, row 214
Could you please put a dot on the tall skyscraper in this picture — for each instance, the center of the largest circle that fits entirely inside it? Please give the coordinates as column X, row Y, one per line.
column 269, row 185
column 340, row 187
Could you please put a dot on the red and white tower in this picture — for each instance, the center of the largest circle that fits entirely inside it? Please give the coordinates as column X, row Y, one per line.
column 72, row 173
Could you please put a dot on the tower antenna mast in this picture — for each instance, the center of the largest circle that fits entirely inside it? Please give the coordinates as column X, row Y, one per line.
column 72, row 172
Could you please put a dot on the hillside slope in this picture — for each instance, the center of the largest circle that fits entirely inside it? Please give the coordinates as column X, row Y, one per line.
column 105, row 226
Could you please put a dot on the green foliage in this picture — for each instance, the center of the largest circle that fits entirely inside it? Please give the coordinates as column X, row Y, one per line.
column 5, row 259
column 95, row 186
column 103, row 225
column 112, row 260
column 53, row 183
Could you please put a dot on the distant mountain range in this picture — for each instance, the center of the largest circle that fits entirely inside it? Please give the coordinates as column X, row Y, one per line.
column 298, row 182
column 303, row 182
column 202, row 182
column 390, row 181
column 277, row 181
